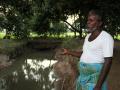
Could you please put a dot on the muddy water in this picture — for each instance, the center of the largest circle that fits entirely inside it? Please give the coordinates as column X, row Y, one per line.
column 31, row 71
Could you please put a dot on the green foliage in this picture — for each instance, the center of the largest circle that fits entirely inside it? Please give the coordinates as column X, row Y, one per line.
column 57, row 28
column 41, row 26
column 13, row 19
column 21, row 17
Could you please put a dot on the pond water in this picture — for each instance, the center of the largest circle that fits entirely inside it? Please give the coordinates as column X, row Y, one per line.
column 31, row 71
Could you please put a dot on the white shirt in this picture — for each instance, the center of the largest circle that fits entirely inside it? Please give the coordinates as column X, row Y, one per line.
column 95, row 51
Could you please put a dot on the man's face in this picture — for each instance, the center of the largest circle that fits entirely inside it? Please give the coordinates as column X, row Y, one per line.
column 93, row 22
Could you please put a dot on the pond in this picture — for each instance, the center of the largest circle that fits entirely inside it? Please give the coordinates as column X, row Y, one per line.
column 31, row 71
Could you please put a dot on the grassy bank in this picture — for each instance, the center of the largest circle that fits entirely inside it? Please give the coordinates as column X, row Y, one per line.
column 7, row 45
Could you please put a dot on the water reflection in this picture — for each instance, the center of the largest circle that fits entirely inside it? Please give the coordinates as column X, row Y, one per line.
column 28, row 74
column 36, row 67
column 2, row 84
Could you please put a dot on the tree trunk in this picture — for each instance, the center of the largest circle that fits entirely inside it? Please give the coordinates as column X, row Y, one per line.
column 74, row 29
column 80, row 31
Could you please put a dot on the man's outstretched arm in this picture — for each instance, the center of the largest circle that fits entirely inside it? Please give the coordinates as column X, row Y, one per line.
column 73, row 53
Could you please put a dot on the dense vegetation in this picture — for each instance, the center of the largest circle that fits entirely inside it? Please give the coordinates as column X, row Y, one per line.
column 49, row 17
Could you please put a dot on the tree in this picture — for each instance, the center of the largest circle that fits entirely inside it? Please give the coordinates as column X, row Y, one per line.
column 43, row 12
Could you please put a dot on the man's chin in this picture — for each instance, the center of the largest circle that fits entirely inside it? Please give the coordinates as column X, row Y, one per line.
column 90, row 30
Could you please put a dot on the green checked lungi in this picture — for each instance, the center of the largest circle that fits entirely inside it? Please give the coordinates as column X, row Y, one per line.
column 89, row 74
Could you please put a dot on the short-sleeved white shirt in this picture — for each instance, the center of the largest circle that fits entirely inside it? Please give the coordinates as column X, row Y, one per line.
column 95, row 51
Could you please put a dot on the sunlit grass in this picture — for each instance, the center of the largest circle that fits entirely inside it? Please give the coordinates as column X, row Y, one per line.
column 33, row 34
column 63, row 35
column 117, row 37
column 2, row 34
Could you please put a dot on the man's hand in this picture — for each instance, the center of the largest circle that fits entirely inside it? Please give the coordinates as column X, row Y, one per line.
column 73, row 53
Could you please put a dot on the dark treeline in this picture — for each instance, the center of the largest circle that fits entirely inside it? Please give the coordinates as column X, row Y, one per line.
column 49, row 17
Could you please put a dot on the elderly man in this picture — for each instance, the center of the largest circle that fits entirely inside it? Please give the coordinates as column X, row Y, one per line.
column 96, row 56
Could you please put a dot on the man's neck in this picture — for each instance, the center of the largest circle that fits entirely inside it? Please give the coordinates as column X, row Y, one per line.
column 96, row 32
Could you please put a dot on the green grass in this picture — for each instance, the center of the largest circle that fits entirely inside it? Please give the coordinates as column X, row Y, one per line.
column 117, row 37
column 8, row 45
column 2, row 35
column 64, row 35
